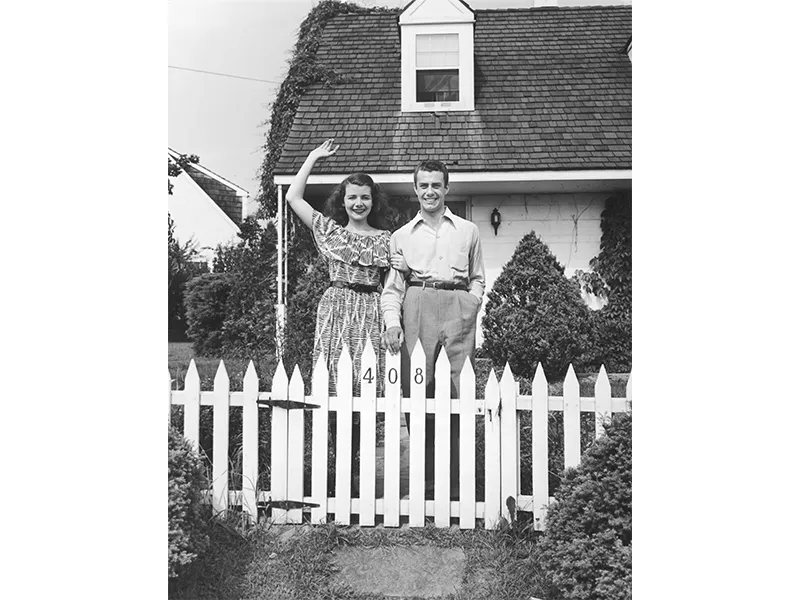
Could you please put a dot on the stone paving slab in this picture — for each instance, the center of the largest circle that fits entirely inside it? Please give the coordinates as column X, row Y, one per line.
column 401, row 572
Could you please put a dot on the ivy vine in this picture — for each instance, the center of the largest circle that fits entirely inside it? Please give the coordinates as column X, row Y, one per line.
column 304, row 72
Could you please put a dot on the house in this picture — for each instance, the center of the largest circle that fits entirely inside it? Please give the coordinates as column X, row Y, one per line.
column 529, row 108
column 205, row 207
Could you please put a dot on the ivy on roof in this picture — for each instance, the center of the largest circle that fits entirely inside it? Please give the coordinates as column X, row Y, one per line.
column 304, row 72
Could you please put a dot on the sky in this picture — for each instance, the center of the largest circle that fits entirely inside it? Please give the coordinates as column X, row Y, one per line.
column 221, row 119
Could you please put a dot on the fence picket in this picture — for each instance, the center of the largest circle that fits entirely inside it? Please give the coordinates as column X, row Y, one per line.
column 602, row 402
column 541, row 493
column 416, row 463
column 368, row 378
column 250, row 443
column 344, row 432
column 391, row 457
column 222, row 388
column 492, row 502
column 572, row 420
column 280, row 425
column 169, row 396
column 441, row 489
column 191, row 406
column 466, row 480
column 629, row 393
column 295, row 447
column 509, row 454
column 319, row 442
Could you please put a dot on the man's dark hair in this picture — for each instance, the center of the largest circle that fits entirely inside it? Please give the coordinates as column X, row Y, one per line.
column 432, row 166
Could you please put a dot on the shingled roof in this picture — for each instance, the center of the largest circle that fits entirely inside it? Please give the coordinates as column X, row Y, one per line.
column 552, row 92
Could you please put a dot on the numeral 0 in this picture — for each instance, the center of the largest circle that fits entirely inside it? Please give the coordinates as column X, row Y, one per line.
column 392, row 375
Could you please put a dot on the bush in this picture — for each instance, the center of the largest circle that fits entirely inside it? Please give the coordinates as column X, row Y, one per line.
column 206, row 309
column 611, row 278
column 586, row 549
column 535, row 314
column 182, row 268
column 301, row 319
column 187, row 515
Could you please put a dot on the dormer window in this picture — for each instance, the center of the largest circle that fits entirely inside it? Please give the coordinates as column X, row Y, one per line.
column 438, row 72
column 437, row 68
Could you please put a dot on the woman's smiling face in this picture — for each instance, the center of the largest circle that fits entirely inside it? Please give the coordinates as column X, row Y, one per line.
column 357, row 201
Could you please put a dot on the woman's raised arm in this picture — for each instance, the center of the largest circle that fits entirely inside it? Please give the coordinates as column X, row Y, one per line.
column 294, row 196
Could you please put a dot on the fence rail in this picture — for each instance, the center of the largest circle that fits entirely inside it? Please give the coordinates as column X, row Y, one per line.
column 500, row 411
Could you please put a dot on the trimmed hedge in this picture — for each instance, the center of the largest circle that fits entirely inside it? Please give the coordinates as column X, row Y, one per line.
column 187, row 515
column 586, row 549
column 534, row 314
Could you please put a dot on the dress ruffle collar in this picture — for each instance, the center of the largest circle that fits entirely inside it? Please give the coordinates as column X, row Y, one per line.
column 352, row 248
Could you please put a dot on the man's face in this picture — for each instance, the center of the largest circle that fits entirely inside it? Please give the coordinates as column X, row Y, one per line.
column 431, row 190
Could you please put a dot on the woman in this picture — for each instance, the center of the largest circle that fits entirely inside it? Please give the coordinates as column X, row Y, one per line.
column 353, row 238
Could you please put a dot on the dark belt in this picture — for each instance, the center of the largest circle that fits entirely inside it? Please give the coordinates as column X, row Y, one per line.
column 356, row 287
column 439, row 285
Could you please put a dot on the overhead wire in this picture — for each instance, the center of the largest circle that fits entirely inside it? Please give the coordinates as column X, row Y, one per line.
column 223, row 74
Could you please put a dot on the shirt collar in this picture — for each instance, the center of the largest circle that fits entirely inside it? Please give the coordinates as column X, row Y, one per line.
column 418, row 218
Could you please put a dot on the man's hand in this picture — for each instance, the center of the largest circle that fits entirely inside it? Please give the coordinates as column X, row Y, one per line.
column 392, row 338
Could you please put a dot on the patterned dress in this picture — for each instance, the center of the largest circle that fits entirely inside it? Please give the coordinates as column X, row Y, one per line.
column 344, row 316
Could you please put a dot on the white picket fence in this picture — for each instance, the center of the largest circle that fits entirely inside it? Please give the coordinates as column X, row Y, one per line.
column 501, row 409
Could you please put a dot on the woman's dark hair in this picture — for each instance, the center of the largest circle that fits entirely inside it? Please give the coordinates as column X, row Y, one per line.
column 334, row 205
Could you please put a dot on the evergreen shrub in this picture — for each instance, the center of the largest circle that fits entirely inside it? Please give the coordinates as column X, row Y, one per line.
column 535, row 314
column 187, row 515
column 611, row 278
column 585, row 552
column 206, row 307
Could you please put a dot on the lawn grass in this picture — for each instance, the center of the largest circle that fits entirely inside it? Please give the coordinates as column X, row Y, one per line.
column 281, row 562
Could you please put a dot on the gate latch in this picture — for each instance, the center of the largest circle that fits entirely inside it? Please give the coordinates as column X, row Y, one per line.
column 286, row 504
column 287, row 404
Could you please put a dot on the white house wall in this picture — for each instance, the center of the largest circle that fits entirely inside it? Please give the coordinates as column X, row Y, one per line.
column 551, row 216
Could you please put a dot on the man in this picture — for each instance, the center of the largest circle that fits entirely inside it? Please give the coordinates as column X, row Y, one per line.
column 442, row 294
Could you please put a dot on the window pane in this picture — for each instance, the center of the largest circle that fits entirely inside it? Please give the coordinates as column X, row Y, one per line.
column 437, row 86
column 441, row 50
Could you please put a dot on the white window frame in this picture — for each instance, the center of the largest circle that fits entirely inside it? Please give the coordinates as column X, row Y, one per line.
column 466, row 67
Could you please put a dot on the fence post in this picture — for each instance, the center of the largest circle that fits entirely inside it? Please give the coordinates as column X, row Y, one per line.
column 572, row 420
column 366, row 477
column 278, row 466
column 391, row 462
column 250, row 443
column 466, row 511
column 492, row 500
column 602, row 402
column 319, row 442
column 541, row 491
column 344, row 432
column 222, row 390
column 509, row 454
column 416, row 466
column 191, row 406
column 441, row 475
column 295, row 447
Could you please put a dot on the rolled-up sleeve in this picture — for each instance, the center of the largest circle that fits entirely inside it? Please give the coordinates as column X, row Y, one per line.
column 477, row 275
column 394, row 290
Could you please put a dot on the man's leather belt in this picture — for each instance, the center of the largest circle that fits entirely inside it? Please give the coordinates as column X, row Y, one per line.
column 439, row 285
column 356, row 287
